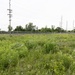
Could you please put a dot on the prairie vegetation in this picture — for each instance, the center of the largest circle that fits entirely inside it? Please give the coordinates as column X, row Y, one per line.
column 37, row 54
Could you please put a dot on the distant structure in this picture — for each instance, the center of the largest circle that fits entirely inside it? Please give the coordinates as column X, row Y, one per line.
column 66, row 26
column 61, row 22
column 10, row 15
column 73, row 25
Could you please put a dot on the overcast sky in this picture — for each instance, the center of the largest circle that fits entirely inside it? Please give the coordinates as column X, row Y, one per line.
column 40, row 12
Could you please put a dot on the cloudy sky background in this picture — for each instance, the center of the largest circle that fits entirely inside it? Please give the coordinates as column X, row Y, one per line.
column 40, row 12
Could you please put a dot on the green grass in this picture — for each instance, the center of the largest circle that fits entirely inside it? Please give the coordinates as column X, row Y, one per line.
column 37, row 54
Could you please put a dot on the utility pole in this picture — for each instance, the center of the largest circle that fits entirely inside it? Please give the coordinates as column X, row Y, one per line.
column 66, row 25
column 73, row 25
column 10, row 15
column 61, row 22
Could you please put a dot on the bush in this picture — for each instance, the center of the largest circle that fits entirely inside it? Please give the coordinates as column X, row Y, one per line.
column 8, row 58
column 67, row 61
column 21, row 49
column 2, row 38
column 31, row 44
column 50, row 47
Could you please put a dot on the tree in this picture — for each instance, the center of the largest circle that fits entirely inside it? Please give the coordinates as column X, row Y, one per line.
column 30, row 27
column 19, row 28
column 45, row 29
column 58, row 29
column 9, row 28
column 52, row 28
column 73, row 30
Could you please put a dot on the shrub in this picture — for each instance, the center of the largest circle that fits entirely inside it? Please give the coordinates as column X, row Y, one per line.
column 8, row 58
column 30, row 44
column 67, row 61
column 21, row 49
column 50, row 47
column 2, row 38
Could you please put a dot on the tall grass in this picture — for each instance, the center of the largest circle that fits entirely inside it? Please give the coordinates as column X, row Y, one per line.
column 42, row 54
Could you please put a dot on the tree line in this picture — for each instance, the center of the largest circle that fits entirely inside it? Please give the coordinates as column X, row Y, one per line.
column 30, row 27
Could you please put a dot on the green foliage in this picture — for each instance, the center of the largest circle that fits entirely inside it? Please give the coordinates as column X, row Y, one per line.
column 2, row 38
column 8, row 58
column 50, row 47
column 30, row 44
column 67, row 61
column 19, row 28
column 9, row 28
column 41, row 54
column 21, row 49
column 30, row 27
column 58, row 29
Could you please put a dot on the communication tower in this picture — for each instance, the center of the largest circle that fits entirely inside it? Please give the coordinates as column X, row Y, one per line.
column 10, row 14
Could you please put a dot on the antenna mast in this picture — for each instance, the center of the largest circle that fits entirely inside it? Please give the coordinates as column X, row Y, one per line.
column 10, row 15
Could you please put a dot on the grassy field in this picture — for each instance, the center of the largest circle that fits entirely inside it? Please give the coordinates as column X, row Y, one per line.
column 37, row 54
